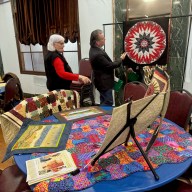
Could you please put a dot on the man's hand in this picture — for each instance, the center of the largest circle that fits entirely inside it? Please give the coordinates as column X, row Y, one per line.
column 123, row 55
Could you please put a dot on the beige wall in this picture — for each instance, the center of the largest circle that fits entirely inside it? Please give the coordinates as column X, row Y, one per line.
column 93, row 13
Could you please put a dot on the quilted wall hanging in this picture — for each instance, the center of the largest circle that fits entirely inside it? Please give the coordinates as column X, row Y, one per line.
column 146, row 41
column 37, row 136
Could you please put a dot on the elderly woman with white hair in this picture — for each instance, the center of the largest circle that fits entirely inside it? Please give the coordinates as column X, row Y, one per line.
column 58, row 72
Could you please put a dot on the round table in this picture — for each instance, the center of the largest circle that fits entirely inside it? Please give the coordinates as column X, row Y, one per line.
column 139, row 181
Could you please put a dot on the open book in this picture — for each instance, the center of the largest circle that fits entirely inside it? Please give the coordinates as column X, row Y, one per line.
column 49, row 166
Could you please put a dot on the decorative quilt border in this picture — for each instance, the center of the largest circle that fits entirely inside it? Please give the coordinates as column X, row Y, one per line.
column 60, row 140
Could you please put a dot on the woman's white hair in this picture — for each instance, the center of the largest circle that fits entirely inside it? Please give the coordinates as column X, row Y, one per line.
column 55, row 38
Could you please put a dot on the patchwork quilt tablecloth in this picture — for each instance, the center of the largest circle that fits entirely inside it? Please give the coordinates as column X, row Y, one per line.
column 173, row 145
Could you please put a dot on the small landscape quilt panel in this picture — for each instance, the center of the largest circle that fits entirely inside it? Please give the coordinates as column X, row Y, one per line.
column 173, row 144
column 81, row 113
column 35, row 136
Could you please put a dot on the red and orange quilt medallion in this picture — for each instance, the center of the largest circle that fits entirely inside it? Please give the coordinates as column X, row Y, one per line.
column 145, row 42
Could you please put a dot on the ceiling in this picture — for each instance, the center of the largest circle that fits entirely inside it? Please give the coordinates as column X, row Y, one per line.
column 143, row 8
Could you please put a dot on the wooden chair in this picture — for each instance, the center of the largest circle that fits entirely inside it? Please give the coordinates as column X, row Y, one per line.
column 180, row 108
column 8, row 76
column 85, row 91
column 13, row 94
column 13, row 180
column 134, row 90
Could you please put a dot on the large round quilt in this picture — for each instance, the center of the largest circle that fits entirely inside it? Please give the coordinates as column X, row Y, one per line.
column 145, row 42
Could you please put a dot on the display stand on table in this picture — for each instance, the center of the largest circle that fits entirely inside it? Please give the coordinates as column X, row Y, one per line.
column 135, row 117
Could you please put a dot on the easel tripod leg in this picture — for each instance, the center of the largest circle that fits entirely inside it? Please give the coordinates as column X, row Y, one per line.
column 146, row 159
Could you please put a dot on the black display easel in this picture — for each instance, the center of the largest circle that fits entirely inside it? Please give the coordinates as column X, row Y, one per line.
column 130, row 123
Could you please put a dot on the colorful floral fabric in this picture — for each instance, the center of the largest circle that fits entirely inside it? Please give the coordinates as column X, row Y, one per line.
column 173, row 145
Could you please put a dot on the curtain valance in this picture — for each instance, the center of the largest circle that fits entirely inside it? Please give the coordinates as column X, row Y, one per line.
column 36, row 20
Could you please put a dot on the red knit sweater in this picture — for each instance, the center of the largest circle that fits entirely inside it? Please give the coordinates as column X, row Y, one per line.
column 60, row 70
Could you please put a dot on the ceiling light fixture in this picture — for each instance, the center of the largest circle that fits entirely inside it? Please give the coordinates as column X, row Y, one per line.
column 176, row 2
column 124, row 10
column 148, row 1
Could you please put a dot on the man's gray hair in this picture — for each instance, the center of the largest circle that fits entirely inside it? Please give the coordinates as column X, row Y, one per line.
column 95, row 37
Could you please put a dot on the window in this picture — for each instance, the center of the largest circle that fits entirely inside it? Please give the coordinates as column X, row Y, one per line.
column 32, row 58
column 71, row 55
column 35, row 21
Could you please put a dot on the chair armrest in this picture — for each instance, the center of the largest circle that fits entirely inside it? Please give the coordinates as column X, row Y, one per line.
column 77, row 82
